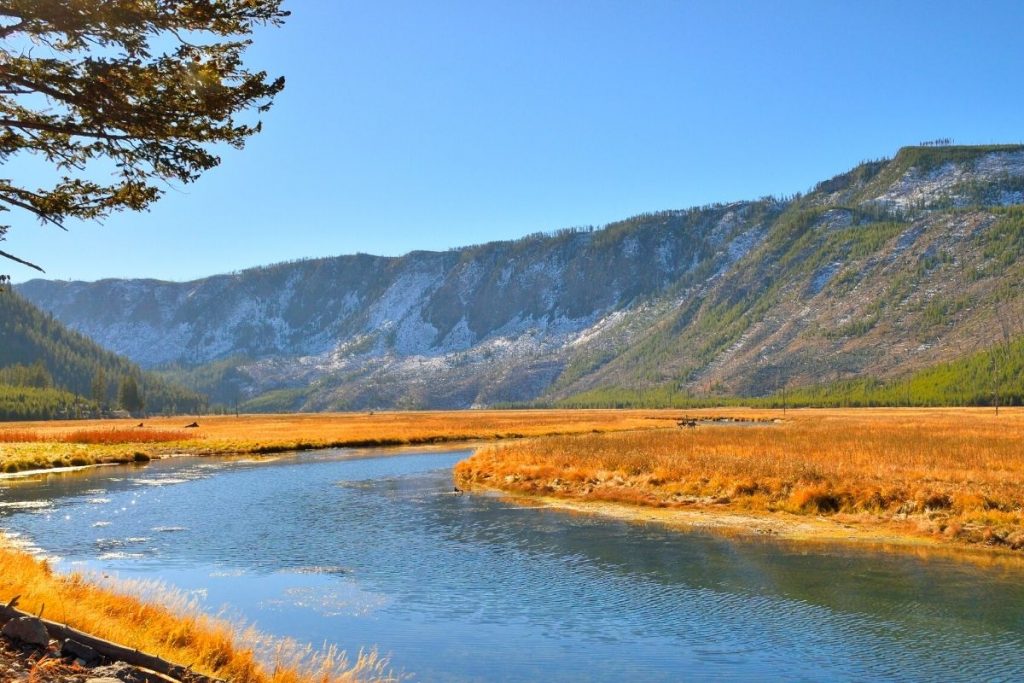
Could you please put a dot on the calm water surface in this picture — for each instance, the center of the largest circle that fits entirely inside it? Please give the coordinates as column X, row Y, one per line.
column 363, row 551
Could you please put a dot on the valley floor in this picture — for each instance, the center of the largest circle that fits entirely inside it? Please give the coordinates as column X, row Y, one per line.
column 924, row 478
column 952, row 476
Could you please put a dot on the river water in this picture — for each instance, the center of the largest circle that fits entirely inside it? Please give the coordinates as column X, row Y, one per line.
column 376, row 549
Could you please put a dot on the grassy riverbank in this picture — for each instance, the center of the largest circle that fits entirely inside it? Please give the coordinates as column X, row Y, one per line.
column 42, row 445
column 955, row 475
column 178, row 633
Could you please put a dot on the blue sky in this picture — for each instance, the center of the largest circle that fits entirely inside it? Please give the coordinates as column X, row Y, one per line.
column 416, row 125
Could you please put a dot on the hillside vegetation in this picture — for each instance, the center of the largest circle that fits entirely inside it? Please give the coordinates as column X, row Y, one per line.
column 993, row 377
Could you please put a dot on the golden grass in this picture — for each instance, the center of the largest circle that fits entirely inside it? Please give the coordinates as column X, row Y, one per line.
column 39, row 445
column 178, row 631
column 93, row 436
column 956, row 474
column 122, row 436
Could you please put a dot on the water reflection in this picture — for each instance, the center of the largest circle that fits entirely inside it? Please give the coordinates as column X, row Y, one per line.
column 463, row 587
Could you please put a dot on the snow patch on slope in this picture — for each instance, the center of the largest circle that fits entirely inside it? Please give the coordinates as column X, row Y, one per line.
column 916, row 189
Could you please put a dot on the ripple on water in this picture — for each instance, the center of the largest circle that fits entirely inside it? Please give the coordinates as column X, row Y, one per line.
column 167, row 481
column 26, row 505
column 112, row 543
column 317, row 569
column 347, row 599
column 120, row 555
column 227, row 573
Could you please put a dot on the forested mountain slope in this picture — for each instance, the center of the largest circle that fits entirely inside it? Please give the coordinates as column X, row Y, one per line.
column 893, row 266
column 44, row 366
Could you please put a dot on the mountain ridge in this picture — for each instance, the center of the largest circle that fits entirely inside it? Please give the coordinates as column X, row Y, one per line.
column 709, row 299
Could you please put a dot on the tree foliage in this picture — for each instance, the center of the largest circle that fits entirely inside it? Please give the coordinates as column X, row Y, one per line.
column 31, row 403
column 128, row 395
column 123, row 96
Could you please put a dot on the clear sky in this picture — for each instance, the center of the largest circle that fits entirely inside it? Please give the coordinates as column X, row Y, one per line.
column 430, row 125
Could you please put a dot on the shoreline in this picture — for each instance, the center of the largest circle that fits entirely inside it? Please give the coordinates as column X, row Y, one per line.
column 782, row 527
column 926, row 479
column 723, row 521
column 249, row 456
column 49, row 445
column 116, row 631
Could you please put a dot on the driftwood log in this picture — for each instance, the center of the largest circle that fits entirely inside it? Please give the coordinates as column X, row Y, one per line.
column 112, row 651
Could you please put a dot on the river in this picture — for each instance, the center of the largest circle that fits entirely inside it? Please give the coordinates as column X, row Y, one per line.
column 376, row 549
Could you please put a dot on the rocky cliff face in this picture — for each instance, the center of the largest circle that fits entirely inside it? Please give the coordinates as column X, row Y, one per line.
column 885, row 268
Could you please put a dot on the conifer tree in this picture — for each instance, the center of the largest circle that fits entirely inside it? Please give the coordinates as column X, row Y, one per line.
column 129, row 396
column 143, row 87
column 99, row 387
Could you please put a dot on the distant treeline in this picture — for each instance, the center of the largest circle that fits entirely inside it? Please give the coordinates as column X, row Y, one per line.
column 33, row 403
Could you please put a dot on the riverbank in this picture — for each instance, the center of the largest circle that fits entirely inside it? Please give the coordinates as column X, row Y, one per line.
column 950, row 477
column 26, row 447
column 45, row 445
column 165, row 625
column 800, row 531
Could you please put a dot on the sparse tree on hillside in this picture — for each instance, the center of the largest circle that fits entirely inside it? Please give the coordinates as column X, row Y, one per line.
column 99, row 388
column 120, row 98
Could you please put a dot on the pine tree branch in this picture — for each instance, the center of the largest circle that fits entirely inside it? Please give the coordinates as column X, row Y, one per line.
column 21, row 261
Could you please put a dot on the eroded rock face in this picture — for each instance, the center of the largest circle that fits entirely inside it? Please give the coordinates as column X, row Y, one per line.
column 480, row 325
column 27, row 630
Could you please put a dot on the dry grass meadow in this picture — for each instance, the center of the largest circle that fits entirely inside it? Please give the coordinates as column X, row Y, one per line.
column 951, row 474
column 41, row 445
